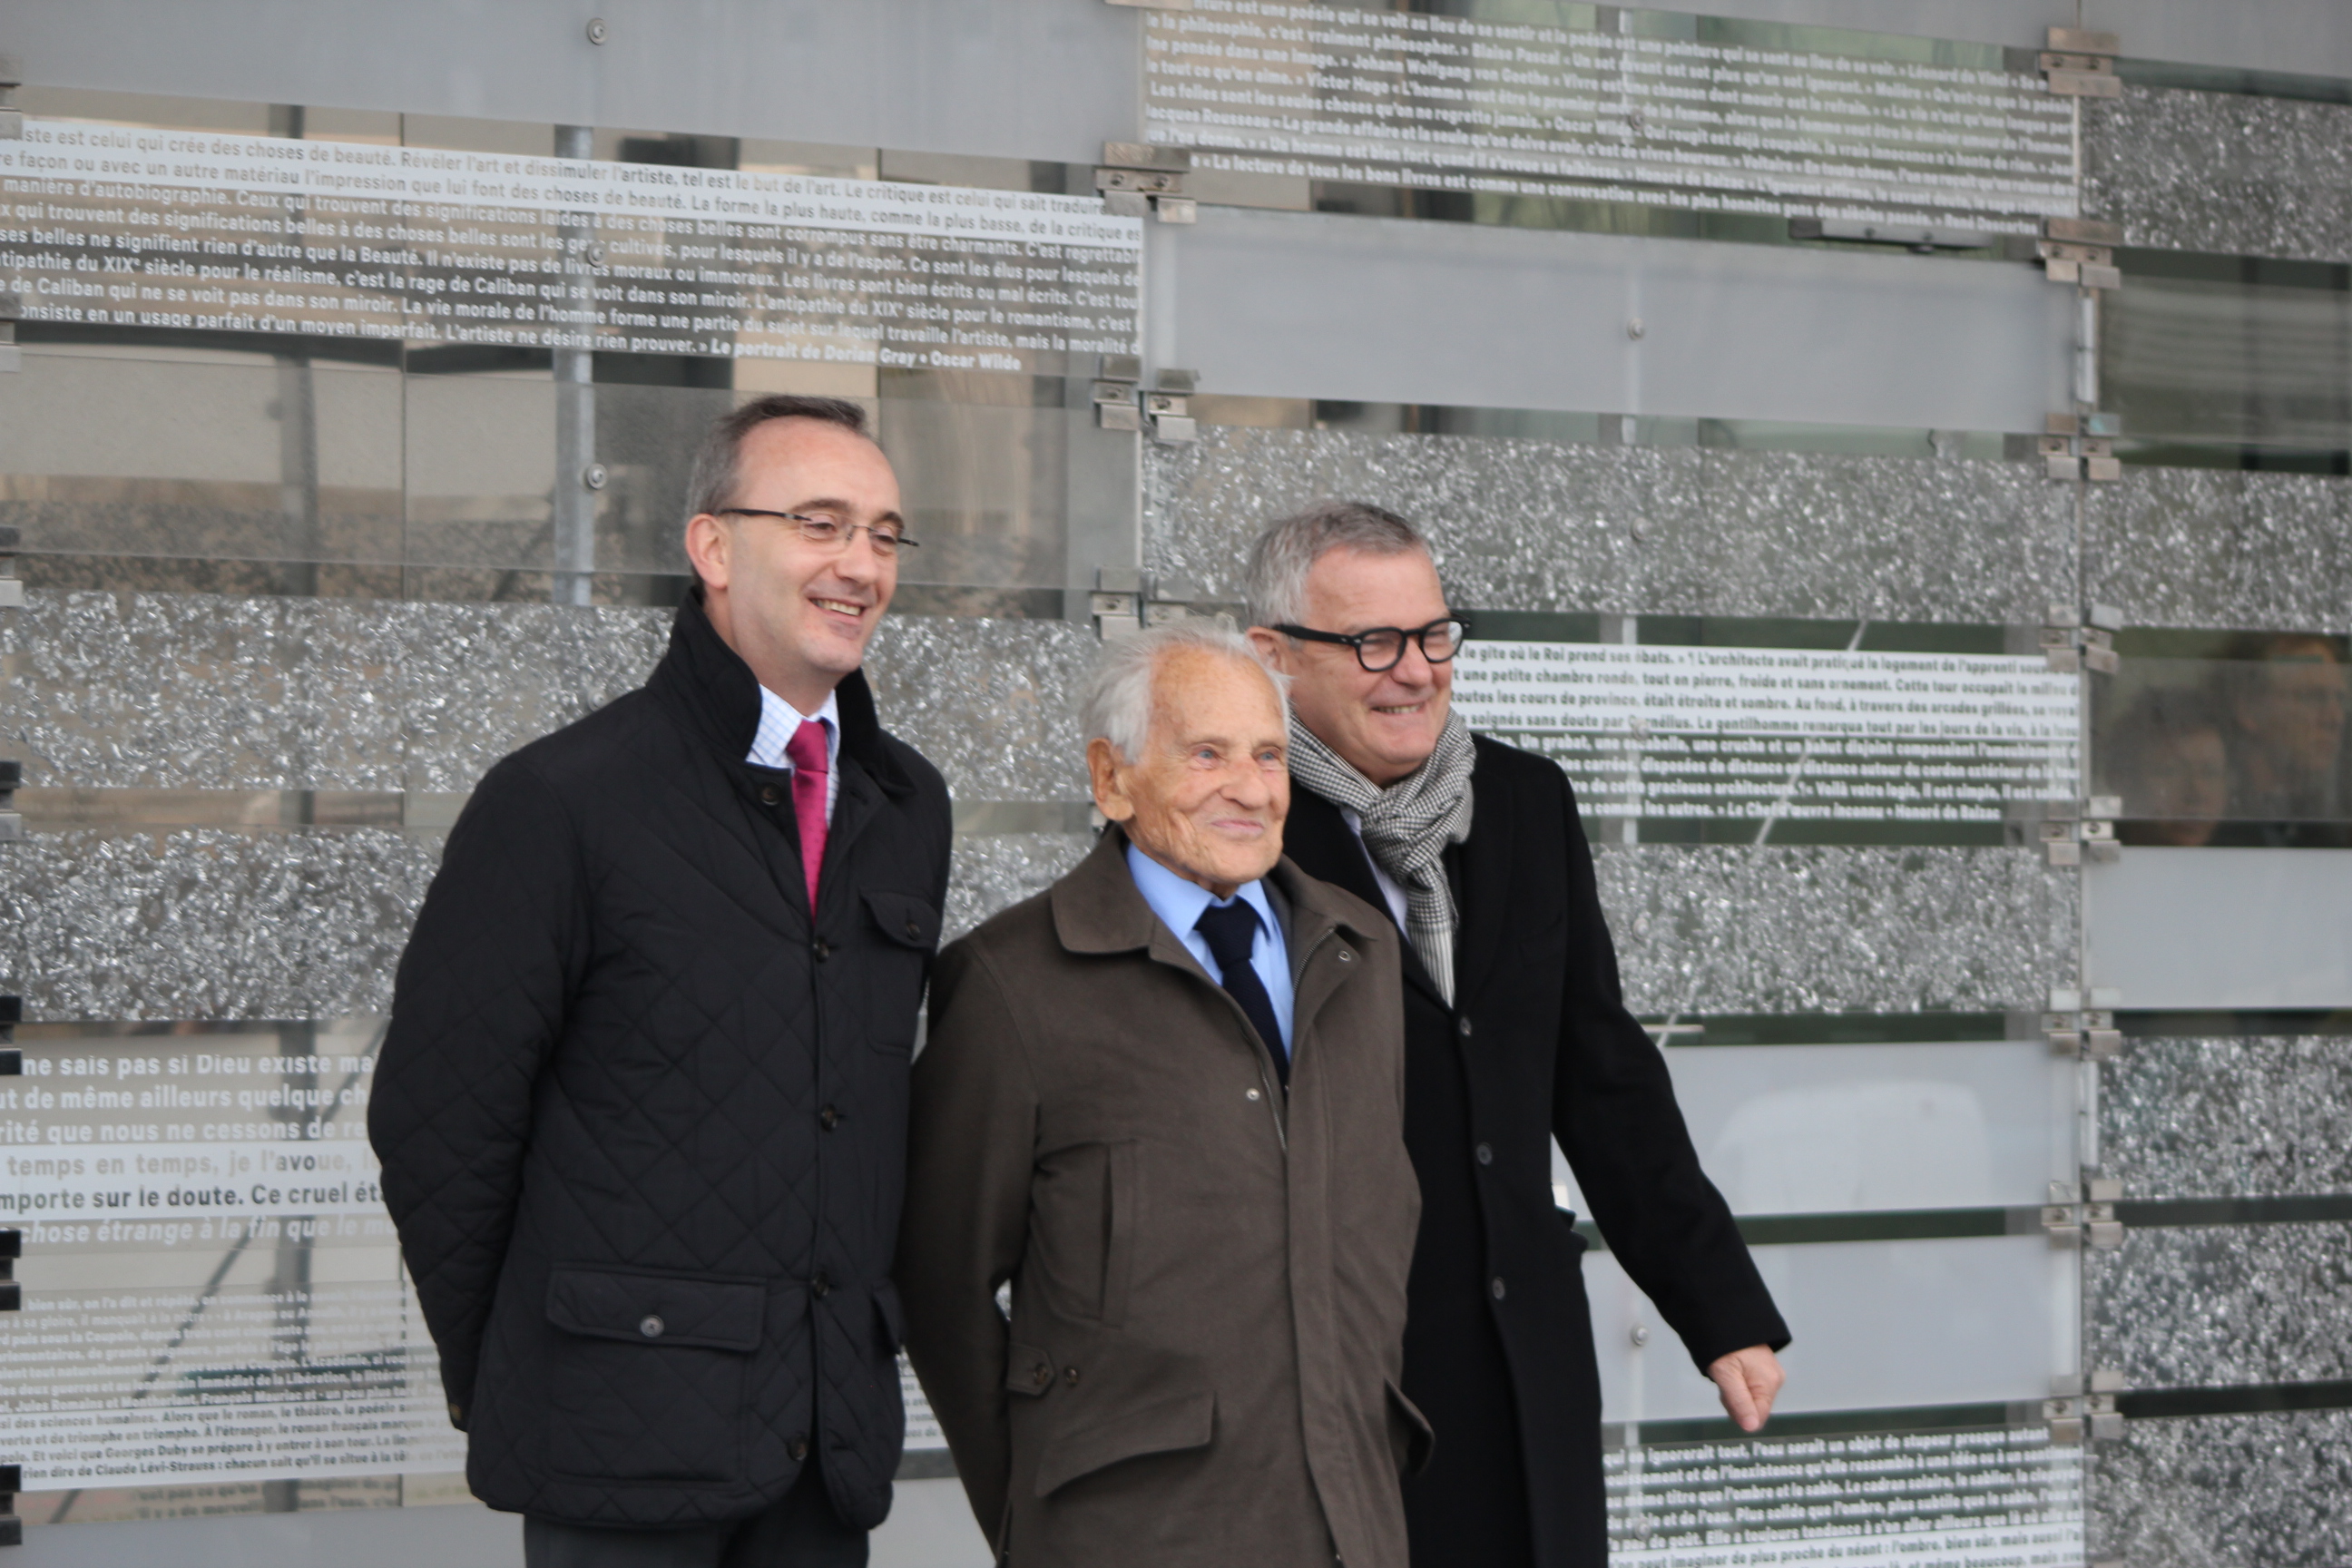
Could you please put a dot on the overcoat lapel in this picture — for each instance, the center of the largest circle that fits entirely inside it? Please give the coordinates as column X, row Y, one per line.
column 1487, row 868
column 1317, row 836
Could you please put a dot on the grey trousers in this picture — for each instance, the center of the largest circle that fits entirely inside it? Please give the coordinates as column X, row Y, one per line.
column 799, row 1531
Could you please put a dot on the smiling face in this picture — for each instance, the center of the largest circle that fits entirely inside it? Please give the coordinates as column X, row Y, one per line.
column 1384, row 725
column 799, row 613
column 1208, row 796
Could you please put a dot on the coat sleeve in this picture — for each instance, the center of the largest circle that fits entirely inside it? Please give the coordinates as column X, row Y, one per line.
column 971, row 1145
column 1614, row 1114
column 477, row 1004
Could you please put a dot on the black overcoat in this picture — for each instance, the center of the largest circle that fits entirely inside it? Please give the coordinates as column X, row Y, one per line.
column 643, row 1120
column 1498, row 1340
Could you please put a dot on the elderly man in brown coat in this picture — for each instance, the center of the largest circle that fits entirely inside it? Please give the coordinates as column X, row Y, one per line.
column 1163, row 1100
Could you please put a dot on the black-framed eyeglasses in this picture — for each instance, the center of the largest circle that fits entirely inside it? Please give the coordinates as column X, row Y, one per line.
column 831, row 532
column 1379, row 648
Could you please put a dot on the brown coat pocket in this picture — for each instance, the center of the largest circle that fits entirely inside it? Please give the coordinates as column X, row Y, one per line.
column 1168, row 1426
column 1411, row 1436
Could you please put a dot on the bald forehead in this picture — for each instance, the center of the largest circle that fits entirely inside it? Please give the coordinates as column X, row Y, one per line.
column 1188, row 683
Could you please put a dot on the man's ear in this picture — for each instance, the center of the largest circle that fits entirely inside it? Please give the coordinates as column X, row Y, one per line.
column 1102, row 773
column 1272, row 647
column 710, row 546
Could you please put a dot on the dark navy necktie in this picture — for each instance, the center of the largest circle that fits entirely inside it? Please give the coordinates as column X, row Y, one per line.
column 1231, row 930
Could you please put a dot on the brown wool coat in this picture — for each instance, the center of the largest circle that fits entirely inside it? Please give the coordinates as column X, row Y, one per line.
column 1207, row 1286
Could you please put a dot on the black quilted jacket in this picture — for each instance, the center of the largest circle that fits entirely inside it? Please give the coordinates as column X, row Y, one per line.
column 642, row 1123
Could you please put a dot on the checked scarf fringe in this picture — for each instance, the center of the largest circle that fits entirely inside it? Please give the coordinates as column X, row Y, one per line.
column 1407, row 828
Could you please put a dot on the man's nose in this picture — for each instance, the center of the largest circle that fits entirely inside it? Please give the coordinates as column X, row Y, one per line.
column 1413, row 666
column 859, row 562
column 1247, row 785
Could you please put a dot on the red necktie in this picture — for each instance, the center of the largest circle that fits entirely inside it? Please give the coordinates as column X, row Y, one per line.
column 805, row 752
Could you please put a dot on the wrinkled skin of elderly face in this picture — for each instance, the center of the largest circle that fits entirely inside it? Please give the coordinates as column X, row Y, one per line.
column 1208, row 796
column 1384, row 725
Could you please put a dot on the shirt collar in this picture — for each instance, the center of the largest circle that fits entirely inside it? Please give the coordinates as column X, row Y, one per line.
column 780, row 720
column 1179, row 902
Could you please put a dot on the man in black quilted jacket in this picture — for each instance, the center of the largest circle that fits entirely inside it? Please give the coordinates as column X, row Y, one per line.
column 642, row 1108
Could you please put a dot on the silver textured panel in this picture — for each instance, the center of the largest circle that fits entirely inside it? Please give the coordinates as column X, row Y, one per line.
column 210, row 692
column 209, row 924
column 994, row 872
column 217, row 924
column 990, row 702
column 2198, row 1306
column 476, row 682
column 2215, row 547
column 1545, row 525
column 2236, row 174
column 2251, row 1116
column 2226, row 1491
column 1820, row 928
column 188, row 689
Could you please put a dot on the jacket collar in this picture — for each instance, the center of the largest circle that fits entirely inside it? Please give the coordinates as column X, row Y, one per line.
column 708, row 682
column 1098, row 910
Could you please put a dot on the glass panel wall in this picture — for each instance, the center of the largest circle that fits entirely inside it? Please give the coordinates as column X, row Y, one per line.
column 1965, row 800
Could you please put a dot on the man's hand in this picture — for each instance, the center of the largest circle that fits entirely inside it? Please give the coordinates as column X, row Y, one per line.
column 1749, row 1379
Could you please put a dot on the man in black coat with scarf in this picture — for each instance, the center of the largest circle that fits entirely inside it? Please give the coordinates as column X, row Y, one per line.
column 1515, row 1033
column 642, row 1107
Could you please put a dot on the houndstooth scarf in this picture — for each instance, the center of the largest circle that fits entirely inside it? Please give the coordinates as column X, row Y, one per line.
column 1407, row 828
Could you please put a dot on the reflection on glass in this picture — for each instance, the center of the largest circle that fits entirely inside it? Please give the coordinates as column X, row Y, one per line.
column 2243, row 749
column 982, row 484
column 2230, row 361
column 218, row 454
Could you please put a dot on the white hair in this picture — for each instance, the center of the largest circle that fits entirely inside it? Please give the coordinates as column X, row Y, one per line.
column 1116, row 703
column 1276, row 580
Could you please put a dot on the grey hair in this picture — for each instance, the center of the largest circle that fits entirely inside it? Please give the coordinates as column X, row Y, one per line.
column 1116, row 703
column 1276, row 582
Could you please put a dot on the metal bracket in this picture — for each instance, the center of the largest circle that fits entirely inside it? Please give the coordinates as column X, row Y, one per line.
column 1140, row 182
column 12, row 118
column 2075, row 448
column 1169, row 600
column 2075, row 1412
column 2080, row 64
column 1117, row 601
column 2085, row 266
column 11, row 310
column 2089, row 1032
column 1114, row 393
column 1136, row 168
column 2067, row 643
column 1922, row 238
column 2078, row 1213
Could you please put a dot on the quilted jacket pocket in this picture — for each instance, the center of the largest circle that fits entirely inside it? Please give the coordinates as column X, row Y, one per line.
column 648, row 1372
column 905, row 918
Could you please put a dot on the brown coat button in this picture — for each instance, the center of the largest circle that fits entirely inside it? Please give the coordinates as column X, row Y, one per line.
column 914, row 931
column 1071, row 1378
column 798, row 1450
column 1043, row 1375
column 768, row 795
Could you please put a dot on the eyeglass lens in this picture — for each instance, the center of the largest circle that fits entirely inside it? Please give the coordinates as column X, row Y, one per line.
column 1381, row 649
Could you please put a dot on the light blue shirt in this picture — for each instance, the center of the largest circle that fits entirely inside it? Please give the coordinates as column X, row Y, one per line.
column 780, row 721
column 1179, row 903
